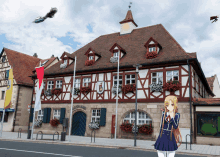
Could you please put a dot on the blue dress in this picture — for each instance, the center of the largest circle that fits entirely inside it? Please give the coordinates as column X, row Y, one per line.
column 164, row 143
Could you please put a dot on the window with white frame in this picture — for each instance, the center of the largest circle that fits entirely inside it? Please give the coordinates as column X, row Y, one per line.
column 3, row 94
column 86, row 82
column 58, row 84
column 173, row 75
column 65, row 61
column 50, row 85
column 142, row 118
column 130, row 79
column 115, row 54
column 40, row 115
column 44, row 84
column 115, row 80
column 96, row 113
column 91, row 58
column 56, row 114
column 151, row 49
column 77, row 83
column 156, row 77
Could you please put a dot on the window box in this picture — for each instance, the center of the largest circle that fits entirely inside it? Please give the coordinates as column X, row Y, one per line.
column 54, row 122
column 85, row 90
column 129, row 88
column 48, row 92
column 150, row 55
column 171, row 86
column 156, row 87
column 38, row 123
column 126, row 127
column 76, row 91
column 56, row 91
column 114, row 59
column 89, row 62
column 114, row 89
column 145, row 129
column 94, row 125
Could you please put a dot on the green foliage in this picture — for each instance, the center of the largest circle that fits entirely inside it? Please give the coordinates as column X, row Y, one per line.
column 208, row 129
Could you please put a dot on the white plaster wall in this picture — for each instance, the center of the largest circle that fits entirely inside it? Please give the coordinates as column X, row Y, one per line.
column 96, row 57
column 67, row 79
column 7, row 126
column 184, row 80
column 141, row 94
column 101, row 77
column 126, row 31
column 216, row 89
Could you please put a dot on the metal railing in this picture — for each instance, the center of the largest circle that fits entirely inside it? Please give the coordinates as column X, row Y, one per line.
column 19, row 131
column 186, row 141
column 56, row 133
column 41, row 134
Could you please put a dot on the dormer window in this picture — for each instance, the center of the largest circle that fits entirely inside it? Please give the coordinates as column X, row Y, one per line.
column 3, row 59
column 67, row 59
column 117, row 51
column 44, row 63
column 92, row 57
column 153, row 48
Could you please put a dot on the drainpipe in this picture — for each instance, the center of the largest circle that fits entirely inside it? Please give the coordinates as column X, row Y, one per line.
column 13, row 129
column 31, row 105
column 190, row 102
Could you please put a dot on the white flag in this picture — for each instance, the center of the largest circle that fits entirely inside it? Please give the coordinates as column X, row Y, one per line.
column 37, row 106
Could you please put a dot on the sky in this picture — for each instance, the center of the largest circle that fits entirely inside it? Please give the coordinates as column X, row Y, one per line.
column 78, row 22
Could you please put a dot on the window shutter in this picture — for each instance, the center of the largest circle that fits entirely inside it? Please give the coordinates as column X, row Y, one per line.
column 45, row 116
column 62, row 115
column 7, row 74
column 31, row 112
column 48, row 114
column 103, row 117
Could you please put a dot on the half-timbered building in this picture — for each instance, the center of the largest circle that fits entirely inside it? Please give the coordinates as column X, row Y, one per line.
column 162, row 59
column 17, row 116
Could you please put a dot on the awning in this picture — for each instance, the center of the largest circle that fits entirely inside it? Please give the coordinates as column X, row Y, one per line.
column 7, row 110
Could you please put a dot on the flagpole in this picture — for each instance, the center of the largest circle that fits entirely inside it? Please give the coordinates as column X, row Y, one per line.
column 116, row 111
column 3, row 116
column 32, row 128
column 73, row 90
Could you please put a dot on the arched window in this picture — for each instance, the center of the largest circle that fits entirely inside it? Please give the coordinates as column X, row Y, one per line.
column 142, row 118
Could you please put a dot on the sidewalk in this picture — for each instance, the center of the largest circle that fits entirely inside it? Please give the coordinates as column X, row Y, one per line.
column 112, row 143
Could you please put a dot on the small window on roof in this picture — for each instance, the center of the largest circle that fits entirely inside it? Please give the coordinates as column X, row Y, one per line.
column 90, row 58
column 3, row 59
column 44, row 63
column 65, row 61
column 151, row 49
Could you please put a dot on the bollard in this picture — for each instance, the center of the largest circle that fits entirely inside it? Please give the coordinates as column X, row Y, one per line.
column 19, row 131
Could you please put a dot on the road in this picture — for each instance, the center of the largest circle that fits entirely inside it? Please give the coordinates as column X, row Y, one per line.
column 28, row 149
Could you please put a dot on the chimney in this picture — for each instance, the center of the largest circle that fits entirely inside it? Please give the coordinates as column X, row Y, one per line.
column 35, row 55
column 52, row 56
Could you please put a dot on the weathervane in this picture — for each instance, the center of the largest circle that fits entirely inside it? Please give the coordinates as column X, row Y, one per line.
column 130, row 5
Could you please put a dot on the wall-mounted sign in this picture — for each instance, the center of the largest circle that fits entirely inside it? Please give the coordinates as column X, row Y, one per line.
column 100, row 86
column 79, row 106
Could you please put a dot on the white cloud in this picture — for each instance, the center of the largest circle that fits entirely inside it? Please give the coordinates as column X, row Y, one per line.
column 188, row 22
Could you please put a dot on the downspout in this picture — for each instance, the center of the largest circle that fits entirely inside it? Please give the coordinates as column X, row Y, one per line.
column 13, row 129
column 31, row 105
column 190, row 102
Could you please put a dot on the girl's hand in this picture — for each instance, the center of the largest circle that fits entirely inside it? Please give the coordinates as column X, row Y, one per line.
column 162, row 109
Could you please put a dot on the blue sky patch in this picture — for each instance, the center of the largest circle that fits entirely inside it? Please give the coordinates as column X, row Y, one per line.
column 89, row 27
column 4, row 42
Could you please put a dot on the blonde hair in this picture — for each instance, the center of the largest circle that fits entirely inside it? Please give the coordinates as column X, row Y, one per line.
column 176, row 132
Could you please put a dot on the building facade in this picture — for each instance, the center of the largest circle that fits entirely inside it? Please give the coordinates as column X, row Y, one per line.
column 162, row 60
column 18, row 116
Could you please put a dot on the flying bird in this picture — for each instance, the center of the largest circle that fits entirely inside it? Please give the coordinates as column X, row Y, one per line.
column 214, row 18
column 50, row 15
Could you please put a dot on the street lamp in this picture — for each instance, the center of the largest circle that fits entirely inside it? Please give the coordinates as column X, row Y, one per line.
column 135, row 124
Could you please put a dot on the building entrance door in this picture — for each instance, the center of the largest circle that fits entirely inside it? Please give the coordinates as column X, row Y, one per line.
column 79, row 124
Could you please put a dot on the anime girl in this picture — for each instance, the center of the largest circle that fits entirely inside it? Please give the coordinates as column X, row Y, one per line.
column 169, row 134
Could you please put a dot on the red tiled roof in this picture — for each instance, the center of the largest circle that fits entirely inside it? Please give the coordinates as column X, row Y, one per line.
column 133, row 44
column 206, row 101
column 50, row 60
column 67, row 54
column 22, row 65
column 210, row 81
